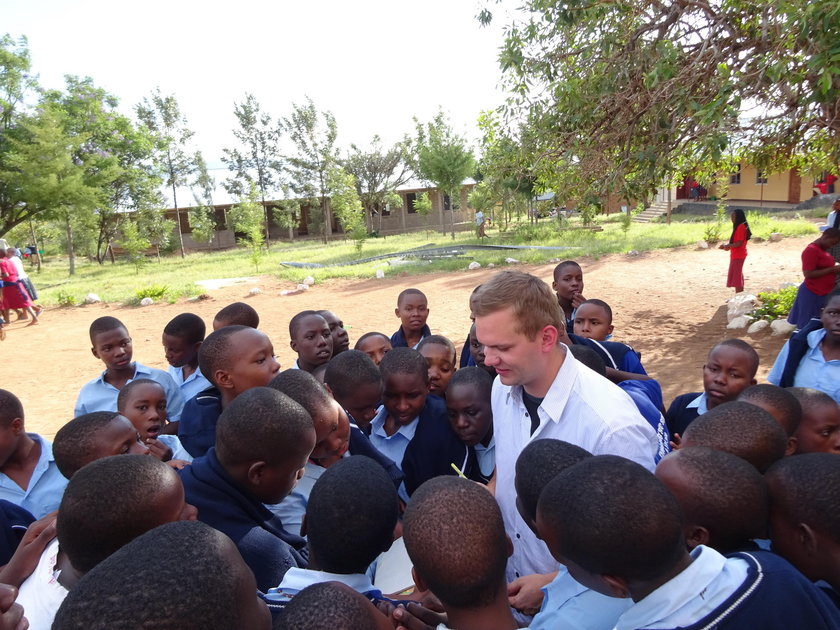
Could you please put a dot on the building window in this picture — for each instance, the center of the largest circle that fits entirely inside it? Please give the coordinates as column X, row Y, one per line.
column 447, row 203
column 410, row 198
column 735, row 178
column 760, row 177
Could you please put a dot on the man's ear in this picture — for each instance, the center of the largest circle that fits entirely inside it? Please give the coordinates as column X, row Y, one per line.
column 615, row 586
column 418, row 581
column 548, row 338
column 792, row 444
column 695, row 535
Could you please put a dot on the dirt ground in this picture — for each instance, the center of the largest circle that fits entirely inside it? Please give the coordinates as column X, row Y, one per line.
column 669, row 304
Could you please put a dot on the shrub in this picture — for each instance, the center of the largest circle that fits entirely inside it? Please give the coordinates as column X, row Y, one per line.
column 155, row 291
column 775, row 304
column 65, row 298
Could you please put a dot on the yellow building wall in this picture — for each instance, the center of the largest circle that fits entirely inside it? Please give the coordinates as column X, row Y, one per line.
column 776, row 188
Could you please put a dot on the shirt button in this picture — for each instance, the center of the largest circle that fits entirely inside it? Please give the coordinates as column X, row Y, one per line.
column 518, row 536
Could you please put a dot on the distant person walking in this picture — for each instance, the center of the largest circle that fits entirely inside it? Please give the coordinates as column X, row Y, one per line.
column 480, row 223
column 737, row 248
column 23, row 280
column 14, row 295
column 820, row 272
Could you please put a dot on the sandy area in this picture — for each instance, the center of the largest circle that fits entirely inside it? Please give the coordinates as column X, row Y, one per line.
column 668, row 304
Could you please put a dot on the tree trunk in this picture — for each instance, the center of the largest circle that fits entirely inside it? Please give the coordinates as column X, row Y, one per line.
column 71, row 254
column 177, row 209
column 37, row 254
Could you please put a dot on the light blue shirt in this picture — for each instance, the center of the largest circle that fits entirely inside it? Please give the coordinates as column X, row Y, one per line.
column 46, row 486
column 293, row 507
column 194, row 384
column 486, row 456
column 98, row 395
column 392, row 446
column 569, row 604
column 178, row 450
column 295, row 580
column 701, row 404
column 813, row 371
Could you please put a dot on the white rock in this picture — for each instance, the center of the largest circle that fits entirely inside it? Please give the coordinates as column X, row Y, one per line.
column 302, row 287
column 491, row 265
column 474, row 265
column 633, row 252
column 380, row 273
column 741, row 304
column 255, row 291
column 758, row 326
column 511, row 261
column 553, row 260
column 785, row 285
column 738, row 322
column 775, row 237
column 309, row 280
column 92, row 298
column 781, row 327
column 146, row 301
column 702, row 245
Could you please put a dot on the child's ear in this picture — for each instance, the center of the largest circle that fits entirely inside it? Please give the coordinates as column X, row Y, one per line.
column 256, row 472
column 554, row 285
column 17, row 426
column 223, row 379
column 613, row 328
column 753, row 382
column 293, row 345
column 418, row 581
column 303, row 526
column 615, row 586
column 792, row 444
column 94, row 352
column 695, row 535
column 397, row 311
column 329, row 390
column 807, row 539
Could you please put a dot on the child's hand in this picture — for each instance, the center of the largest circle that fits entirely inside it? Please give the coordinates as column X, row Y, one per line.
column 178, row 464
column 577, row 300
column 26, row 556
column 11, row 614
column 675, row 443
column 525, row 593
column 416, row 617
column 159, row 450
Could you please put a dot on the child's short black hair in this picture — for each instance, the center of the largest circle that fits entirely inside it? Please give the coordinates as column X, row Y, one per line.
column 351, row 515
column 327, row 606
column 589, row 358
column 368, row 335
column 455, row 537
column 808, row 397
column 727, row 496
column 562, row 265
column 261, row 424
column 805, row 487
column 125, row 392
column 742, row 429
column 215, row 351
column 438, row 340
column 304, row 389
column 178, row 575
column 348, row 371
column 404, row 361
column 294, row 323
column 10, row 407
column 787, row 407
column 602, row 304
column 187, row 326
column 238, row 314
column 406, row 292
column 474, row 377
column 108, row 503
column 613, row 517
column 104, row 324
column 73, row 442
column 742, row 345
column 540, row 462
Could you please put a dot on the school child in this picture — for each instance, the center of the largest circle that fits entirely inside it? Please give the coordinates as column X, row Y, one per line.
column 29, row 476
column 335, row 438
column 350, row 520
column 107, row 504
column 178, row 575
column 618, row 529
column 804, row 518
column 235, row 359
column 93, row 436
column 311, row 339
column 236, row 314
column 730, row 368
column 143, row 402
column 456, row 539
column 779, row 403
column 263, row 440
column 723, row 498
column 819, row 429
column 741, row 429
column 330, row 605
column 565, row 602
column 593, row 320
column 375, row 345
column 112, row 345
column 471, row 416
column 737, row 248
column 477, row 353
column 355, row 382
column 568, row 286
column 182, row 338
column 439, row 353
column 413, row 311
column 412, row 428
column 341, row 340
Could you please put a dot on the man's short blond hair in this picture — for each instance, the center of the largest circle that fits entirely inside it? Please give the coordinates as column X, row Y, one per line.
column 534, row 305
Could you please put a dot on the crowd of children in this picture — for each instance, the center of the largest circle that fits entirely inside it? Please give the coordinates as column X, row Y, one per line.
column 254, row 497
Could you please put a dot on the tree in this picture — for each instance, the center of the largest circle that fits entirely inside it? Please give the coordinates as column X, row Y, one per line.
column 202, row 216
column 162, row 116
column 313, row 134
column 347, row 206
column 257, row 162
column 443, row 158
column 623, row 95
column 246, row 218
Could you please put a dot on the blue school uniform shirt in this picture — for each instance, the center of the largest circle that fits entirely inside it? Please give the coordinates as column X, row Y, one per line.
column 813, row 371
column 46, row 486
column 296, row 580
column 14, row 521
column 392, row 446
column 190, row 387
column 398, row 338
column 648, row 398
column 569, row 604
column 98, row 395
column 178, row 450
column 292, row 509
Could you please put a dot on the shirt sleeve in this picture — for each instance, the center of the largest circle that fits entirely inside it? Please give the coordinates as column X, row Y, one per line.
column 630, row 362
column 775, row 376
column 174, row 399
column 810, row 259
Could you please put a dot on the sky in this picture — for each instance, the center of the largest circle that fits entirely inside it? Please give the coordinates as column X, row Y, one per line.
column 374, row 63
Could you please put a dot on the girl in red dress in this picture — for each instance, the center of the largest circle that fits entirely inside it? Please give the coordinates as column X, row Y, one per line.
column 737, row 248
column 14, row 295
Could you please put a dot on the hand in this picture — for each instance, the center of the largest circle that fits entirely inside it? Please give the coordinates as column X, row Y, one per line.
column 577, row 300
column 159, row 450
column 525, row 593
column 415, row 617
column 11, row 614
column 178, row 464
column 26, row 556
column 676, row 442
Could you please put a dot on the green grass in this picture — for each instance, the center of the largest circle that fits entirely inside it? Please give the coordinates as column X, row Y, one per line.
column 121, row 283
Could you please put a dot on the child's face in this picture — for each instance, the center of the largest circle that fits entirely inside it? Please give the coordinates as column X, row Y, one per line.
column 476, row 348
column 819, row 430
column 441, row 362
column 118, row 437
column 375, row 347
column 313, row 341
column 332, row 433
column 113, row 348
column 785, row 537
column 178, row 352
column 341, row 340
column 728, row 372
column 413, row 311
column 830, row 318
column 363, row 402
column 253, row 362
column 591, row 321
column 280, row 479
column 9, row 438
column 145, row 406
column 470, row 415
column 568, row 282
column 404, row 396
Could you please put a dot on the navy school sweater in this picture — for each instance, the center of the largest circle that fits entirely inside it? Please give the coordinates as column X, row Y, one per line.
column 360, row 445
column 197, row 428
column 398, row 338
column 679, row 415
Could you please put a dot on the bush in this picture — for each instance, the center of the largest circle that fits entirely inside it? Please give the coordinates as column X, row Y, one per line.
column 155, row 291
column 65, row 298
column 775, row 304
